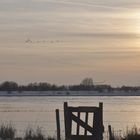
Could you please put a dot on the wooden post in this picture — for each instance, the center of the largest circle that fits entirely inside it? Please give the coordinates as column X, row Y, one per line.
column 66, row 120
column 101, row 120
column 110, row 132
column 58, row 124
column 101, row 114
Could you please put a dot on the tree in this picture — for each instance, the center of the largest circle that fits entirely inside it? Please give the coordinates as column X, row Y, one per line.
column 9, row 86
column 87, row 82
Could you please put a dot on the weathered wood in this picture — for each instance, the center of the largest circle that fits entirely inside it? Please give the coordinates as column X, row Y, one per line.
column 58, row 124
column 101, row 115
column 78, row 122
column 110, row 132
column 82, row 123
column 101, row 127
column 86, row 122
column 83, row 137
column 83, row 109
column 96, row 130
column 65, row 119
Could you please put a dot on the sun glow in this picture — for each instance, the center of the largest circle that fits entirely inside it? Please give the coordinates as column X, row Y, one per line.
column 137, row 22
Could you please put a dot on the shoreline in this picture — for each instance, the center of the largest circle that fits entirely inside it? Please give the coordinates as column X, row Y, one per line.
column 67, row 93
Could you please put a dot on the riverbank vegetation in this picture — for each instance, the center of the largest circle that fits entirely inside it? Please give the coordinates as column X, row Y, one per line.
column 86, row 84
column 8, row 132
column 131, row 134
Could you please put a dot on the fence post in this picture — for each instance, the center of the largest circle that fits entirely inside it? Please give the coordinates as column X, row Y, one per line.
column 101, row 120
column 66, row 120
column 110, row 132
column 58, row 124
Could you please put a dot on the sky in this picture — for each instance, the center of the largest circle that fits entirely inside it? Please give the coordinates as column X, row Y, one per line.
column 64, row 41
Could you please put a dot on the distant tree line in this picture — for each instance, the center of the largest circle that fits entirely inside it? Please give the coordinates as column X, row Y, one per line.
column 85, row 85
column 42, row 86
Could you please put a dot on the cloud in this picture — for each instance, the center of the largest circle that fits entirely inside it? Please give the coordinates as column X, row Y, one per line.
column 108, row 35
column 55, row 5
column 67, row 18
column 101, row 5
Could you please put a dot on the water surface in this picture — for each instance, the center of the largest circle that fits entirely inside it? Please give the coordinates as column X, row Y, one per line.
column 24, row 112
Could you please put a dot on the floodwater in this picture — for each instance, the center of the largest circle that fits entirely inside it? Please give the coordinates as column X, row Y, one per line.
column 30, row 112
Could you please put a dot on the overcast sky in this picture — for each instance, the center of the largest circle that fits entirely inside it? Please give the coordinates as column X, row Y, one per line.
column 64, row 41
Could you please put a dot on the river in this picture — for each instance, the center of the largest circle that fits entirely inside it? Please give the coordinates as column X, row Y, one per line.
column 121, row 112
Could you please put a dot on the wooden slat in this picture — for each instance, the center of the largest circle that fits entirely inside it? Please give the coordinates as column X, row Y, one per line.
column 86, row 122
column 82, row 123
column 83, row 109
column 78, row 117
column 82, row 137
column 93, row 120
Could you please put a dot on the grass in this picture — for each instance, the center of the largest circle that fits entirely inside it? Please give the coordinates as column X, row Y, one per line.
column 30, row 134
column 50, row 138
column 132, row 134
column 7, row 131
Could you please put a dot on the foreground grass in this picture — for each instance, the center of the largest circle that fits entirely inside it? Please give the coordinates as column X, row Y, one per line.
column 8, row 132
column 132, row 134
